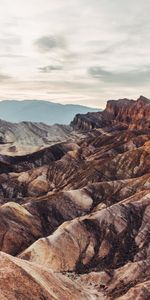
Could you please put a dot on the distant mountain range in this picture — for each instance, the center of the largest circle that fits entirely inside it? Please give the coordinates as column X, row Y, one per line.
column 40, row 111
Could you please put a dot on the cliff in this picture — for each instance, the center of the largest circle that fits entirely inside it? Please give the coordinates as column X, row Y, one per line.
column 130, row 113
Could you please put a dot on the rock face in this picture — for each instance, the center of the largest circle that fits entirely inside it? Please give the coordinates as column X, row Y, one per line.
column 128, row 113
column 75, row 217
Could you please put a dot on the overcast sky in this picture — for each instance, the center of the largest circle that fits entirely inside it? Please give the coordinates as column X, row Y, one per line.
column 74, row 51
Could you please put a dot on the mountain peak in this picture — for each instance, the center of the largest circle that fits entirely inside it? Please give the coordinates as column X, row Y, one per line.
column 143, row 99
column 134, row 114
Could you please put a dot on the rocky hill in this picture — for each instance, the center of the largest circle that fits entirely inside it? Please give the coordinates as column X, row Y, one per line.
column 27, row 137
column 128, row 113
column 75, row 217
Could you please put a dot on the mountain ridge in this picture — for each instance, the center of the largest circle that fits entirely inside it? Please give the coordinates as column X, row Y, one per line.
column 40, row 111
column 128, row 113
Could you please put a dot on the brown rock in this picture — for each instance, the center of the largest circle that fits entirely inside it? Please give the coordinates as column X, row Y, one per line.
column 20, row 280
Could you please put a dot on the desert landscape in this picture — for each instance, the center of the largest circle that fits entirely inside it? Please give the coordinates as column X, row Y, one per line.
column 74, row 150
column 74, row 215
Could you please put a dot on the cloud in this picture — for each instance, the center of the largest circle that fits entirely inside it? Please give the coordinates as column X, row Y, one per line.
column 97, row 49
column 130, row 77
column 5, row 78
column 50, row 68
column 51, row 42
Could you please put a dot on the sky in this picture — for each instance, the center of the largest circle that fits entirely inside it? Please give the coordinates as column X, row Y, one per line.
column 74, row 51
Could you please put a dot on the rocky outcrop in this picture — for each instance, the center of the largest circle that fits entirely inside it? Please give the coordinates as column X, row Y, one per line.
column 128, row 113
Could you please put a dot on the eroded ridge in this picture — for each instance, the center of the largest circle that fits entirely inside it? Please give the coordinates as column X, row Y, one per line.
column 75, row 217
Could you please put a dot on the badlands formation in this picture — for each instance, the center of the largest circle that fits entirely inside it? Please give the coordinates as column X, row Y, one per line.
column 27, row 137
column 75, row 216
